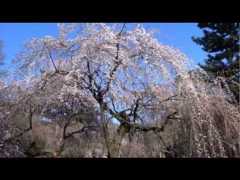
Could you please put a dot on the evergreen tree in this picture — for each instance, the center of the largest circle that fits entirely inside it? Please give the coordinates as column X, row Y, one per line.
column 221, row 42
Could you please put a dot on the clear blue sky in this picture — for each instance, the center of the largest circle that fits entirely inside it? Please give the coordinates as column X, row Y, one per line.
column 178, row 35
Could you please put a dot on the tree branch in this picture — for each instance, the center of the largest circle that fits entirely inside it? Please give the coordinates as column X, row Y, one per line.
column 51, row 58
column 78, row 131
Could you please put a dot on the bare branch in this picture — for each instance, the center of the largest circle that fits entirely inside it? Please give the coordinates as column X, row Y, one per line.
column 51, row 58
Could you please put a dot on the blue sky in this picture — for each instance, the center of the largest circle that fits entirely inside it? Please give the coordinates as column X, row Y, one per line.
column 178, row 35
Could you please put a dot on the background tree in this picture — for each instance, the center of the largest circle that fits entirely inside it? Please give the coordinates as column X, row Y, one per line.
column 221, row 42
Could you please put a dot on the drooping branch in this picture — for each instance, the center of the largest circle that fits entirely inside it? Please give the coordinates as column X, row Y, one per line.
column 79, row 131
column 29, row 128
column 49, row 76
column 161, row 102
